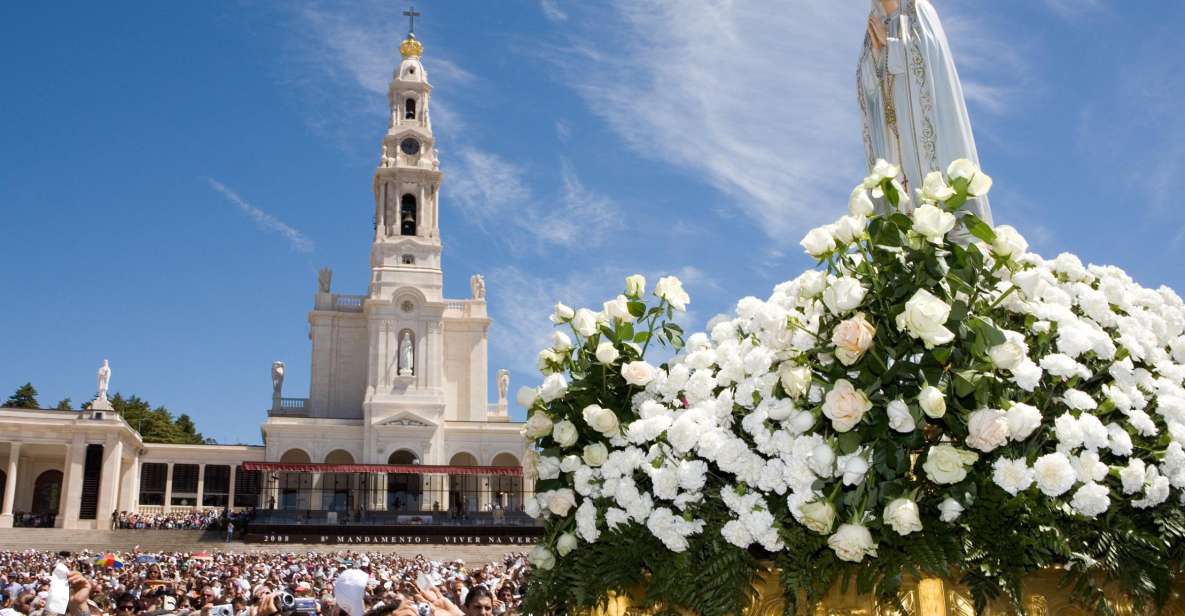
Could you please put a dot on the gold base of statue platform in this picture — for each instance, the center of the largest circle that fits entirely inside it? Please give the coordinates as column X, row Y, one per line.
column 927, row 597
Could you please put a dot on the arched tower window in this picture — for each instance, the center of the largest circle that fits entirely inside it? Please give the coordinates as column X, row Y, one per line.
column 409, row 109
column 407, row 215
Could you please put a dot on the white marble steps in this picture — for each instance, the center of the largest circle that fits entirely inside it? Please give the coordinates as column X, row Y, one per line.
column 55, row 539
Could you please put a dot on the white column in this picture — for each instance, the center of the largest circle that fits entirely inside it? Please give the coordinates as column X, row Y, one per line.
column 109, row 481
column 201, row 488
column 169, row 489
column 72, row 483
column 14, row 452
column 230, row 492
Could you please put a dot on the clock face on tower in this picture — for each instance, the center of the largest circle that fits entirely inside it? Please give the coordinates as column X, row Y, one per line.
column 410, row 146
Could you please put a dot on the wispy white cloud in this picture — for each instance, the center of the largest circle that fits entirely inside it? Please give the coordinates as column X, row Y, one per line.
column 551, row 10
column 1073, row 8
column 264, row 221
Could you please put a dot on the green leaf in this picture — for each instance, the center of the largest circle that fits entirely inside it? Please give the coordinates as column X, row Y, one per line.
column 636, row 308
column 979, row 228
column 849, row 441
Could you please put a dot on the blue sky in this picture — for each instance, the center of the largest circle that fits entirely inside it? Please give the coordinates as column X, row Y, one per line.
column 172, row 175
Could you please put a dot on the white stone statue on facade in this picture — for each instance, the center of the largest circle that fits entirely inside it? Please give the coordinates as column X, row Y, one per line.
column 503, row 384
column 477, row 284
column 910, row 96
column 324, row 280
column 406, row 355
column 277, row 378
column 104, row 380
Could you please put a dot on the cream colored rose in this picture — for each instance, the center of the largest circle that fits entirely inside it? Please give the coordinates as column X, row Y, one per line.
column 541, row 558
column 554, row 386
column 1009, row 242
column 1011, row 353
column 849, row 228
column 933, row 222
column 600, row 419
column 852, row 542
column 900, row 419
column 902, row 515
column 935, row 188
column 562, row 313
column 585, row 322
column 843, row 295
column 607, row 353
column 560, row 502
column 947, row 464
column 538, row 425
column 638, row 373
column 925, row 317
column 987, row 429
column 852, row 338
column 818, row 241
column 565, row 544
column 560, row 342
column 526, row 396
column 845, row 405
column 819, row 516
column 978, row 182
column 881, row 170
column 595, row 454
column 564, row 433
column 635, row 286
column 860, row 202
column 796, row 380
column 670, row 288
column 932, row 401
column 531, row 465
column 618, row 308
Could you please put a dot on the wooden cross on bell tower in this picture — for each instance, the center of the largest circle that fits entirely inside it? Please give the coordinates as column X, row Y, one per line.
column 411, row 15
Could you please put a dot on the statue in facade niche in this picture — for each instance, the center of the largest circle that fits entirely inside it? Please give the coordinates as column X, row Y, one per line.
column 477, row 284
column 324, row 280
column 503, row 384
column 277, row 378
column 104, row 380
column 406, row 355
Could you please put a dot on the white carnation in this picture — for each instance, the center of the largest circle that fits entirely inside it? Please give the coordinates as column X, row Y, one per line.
column 1091, row 499
column 1023, row 420
column 1013, row 476
column 1054, row 473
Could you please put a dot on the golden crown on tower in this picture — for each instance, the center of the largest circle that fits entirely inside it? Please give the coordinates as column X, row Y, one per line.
column 410, row 47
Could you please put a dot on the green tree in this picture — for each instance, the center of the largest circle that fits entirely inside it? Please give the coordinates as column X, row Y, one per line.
column 25, row 397
column 65, row 405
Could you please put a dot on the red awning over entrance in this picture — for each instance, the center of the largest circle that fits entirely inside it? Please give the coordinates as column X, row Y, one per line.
column 410, row 469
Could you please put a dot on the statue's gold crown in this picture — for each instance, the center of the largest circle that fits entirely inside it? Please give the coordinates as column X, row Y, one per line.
column 410, row 47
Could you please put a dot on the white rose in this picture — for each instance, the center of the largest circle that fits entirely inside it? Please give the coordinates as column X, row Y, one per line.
column 547, row 467
column 935, row 188
column 585, row 322
column 619, row 308
column 852, row 467
column 844, row 295
column 900, row 419
column 903, row 516
column 560, row 502
column 860, row 203
column 948, row 464
column 554, row 386
column 932, row 401
column 949, row 510
column 671, row 289
column 852, row 542
column 1055, row 475
column 987, row 429
column 541, row 558
column 600, row 419
column 978, row 182
column 852, row 338
column 818, row 242
column 1023, row 420
column 538, row 425
column 638, row 373
column 925, row 317
column 565, row 544
column 570, row 463
column 818, row 516
column 881, row 170
column 1013, row 476
column 1011, row 353
column 560, row 342
column 849, row 228
column 547, row 359
column 796, row 380
column 1009, row 242
column 595, row 454
column 932, row 222
column 561, row 313
column 845, row 405
column 812, row 282
column 607, row 353
column 564, row 433
column 526, row 396
column 635, row 286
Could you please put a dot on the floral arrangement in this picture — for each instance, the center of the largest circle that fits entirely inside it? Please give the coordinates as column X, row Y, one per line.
column 933, row 399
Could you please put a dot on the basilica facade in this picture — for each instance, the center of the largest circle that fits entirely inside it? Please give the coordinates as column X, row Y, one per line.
column 398, row 417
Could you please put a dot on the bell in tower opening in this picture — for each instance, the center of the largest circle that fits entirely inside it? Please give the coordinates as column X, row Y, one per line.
column 407, row 215
column 409, row 107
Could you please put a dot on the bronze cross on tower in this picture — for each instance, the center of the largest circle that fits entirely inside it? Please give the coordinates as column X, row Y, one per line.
column 412, row 15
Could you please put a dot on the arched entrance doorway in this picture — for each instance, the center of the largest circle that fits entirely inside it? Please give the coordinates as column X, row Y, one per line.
column 507, row 491
column 337, row 493
column 405, row 491
column 294, row 487
column 47, row 493
column 464, row 490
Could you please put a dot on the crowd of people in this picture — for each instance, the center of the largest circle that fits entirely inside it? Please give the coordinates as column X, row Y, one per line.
column 196, row 519
column 255, row 584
